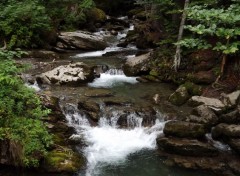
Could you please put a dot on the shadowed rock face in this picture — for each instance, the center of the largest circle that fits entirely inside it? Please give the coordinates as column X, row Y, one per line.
column 68, row 74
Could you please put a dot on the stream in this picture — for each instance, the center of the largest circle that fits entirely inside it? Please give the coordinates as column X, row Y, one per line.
column 111, row 150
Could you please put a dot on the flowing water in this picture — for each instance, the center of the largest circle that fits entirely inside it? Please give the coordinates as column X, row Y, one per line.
column 110, row 149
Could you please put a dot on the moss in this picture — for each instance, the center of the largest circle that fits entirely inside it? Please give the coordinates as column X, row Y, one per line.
column 154, row 73
column 193, row 89
column 97, row 15
column 64, row 160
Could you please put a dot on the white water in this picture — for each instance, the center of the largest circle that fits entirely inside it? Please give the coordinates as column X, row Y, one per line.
column 110, row 145
column 112, row 78
column 34, row 86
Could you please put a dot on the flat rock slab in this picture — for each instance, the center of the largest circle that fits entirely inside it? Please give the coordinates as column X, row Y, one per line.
column 186, row 147
column 184, row 129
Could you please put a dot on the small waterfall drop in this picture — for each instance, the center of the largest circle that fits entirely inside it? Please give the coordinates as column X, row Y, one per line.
column 111, row 78
column 107, row 144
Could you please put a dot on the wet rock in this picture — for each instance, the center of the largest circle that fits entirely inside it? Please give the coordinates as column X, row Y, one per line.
column 203, row 115
column 186, row 147
column 232, row 99
column 116, row 101
column 98, row 69
column 213, row 164
column 63, row 161
column 27, row 78
column 226, row 131
column 234, row 144
column 232, row 117
column 91, row 108
column 184, row 129
column 180, row 96
column 80, row 40
column 96, row 93
column 138, row 65
column 212, row 103
column 203, row 77
column 72, row 74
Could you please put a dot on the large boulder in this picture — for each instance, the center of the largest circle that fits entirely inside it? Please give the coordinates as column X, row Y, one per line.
column 203, row 115
column 232, row 117
column 184, row 129
column 80, row 40
column 136, row 66
column 226, row 131
column 186, row 147
column 180, row 96
column 234, row 144
column 71, row 74
column 204, row 77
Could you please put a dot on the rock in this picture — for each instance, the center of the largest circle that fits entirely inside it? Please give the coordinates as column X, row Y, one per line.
column 180, row 96
column 184, row 129
column 63, row 161
column 91, row 108
column 212, row 164
column 80, row 40
column 232, row 117
column 43, row 54
column 136, row 66
column 232, row 99
column 203, row 77
column 212, row 103
column 186, row 147
column 96, row 15
column 226, row 131
column 96, row 93
column 98, row 69
column 203, row 115
column 234, row 144
column 72, row 74
column 193, row 89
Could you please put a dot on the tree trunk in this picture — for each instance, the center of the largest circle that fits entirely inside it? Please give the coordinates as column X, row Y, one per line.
column 177, row 57
column 5, row 45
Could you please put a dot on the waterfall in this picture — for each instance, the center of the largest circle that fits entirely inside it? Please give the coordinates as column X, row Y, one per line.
column 107, row 143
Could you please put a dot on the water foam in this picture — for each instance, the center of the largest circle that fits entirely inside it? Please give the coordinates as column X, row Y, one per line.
column 110, row 145
column 112, row 78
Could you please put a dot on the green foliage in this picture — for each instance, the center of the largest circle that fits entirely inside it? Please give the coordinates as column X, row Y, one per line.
column 25, row 23
column 20, row 114
column 22, row 23
column 221, row 24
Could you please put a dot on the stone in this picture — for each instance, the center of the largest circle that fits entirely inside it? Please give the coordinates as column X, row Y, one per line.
column 203, row 115
column 91, row 108
column 96, row 93
column 43, row 54
column 116, row 101
column 136, row 66
column 232, row 117
column 72, row 74
column 184, row 129
column 63, row 161
column 80, row 40
column 212, row 103
column 180, row 96
column 232, row 99
column 234, row 144
column 186, row 147
column 226, row 131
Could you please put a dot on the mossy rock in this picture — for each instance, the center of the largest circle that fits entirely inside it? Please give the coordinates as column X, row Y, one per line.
column 63, row 161
column 180, row 96
column 96, row 15
column 193, row 89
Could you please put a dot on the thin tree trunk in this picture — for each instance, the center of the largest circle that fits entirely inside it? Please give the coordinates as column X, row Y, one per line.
column 177, row 57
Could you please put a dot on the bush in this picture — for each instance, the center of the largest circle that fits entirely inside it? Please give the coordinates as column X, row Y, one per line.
column 20, row 116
